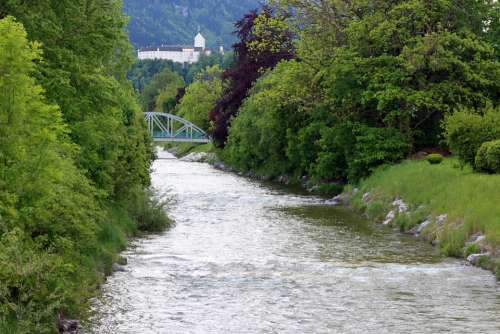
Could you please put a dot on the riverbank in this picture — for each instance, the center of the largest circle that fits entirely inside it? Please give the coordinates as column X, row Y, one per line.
column 208, row 153
column 455, row 209
column 141, row 215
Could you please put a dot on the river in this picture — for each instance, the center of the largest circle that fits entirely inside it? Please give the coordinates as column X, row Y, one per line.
column 245, row 257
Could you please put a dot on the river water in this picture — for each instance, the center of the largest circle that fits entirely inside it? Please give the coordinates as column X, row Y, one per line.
column 245, row 257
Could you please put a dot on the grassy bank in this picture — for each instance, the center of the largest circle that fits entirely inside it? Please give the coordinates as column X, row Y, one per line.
column 469, row 199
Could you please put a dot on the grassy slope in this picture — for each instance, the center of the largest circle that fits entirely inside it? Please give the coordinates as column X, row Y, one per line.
column 471, row 200
column 445, row 188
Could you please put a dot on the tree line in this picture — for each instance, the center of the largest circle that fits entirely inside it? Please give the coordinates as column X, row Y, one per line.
column 334, row 89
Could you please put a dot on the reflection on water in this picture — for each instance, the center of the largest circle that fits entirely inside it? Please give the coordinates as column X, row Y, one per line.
column 247, row 258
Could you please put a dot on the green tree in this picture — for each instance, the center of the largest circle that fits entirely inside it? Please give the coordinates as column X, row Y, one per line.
column 86, row 58
column 206, row 61
column 160, row 94
column 278, row 106
column 261, row 47
column 201, row 97
column 384, row 74
column 48, row 209
column 143, row 71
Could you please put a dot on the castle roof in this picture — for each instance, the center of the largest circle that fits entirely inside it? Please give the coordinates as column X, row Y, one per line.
column 167, row 48
column 199, row 46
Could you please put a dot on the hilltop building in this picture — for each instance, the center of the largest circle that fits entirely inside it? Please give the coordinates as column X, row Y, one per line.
column 177, row 53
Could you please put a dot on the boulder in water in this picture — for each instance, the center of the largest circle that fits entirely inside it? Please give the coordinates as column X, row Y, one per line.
column 118, row 268
column 67, row 326
column 474, row 259
column 390, row 217
column 196, row 157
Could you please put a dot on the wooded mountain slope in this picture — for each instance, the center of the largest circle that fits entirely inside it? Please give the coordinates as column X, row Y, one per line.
column 177, row 21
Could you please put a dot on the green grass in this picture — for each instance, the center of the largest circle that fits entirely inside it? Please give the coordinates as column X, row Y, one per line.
column 8, row 327
column 471, row 200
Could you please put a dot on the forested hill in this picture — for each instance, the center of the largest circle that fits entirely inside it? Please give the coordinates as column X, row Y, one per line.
column 155, row 22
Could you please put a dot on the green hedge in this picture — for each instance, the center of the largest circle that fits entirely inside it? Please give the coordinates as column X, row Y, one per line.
column 466, row 131
column 488, row 157
column 434, row 159
column 352, row 151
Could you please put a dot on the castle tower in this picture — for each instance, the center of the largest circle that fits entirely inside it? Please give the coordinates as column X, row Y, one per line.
column 199, row 41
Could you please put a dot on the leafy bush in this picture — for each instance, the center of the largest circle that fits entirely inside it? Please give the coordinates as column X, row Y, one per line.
column 488, row 157
column 465, row 132
column 352, row 151
column 435, row 158
column 148, row 208
column 331, row 163
column 375, row 147
column 34, row 284
column 303, row 147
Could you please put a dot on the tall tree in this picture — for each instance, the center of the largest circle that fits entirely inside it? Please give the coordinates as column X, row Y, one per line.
column 48, row 209
column 200, row 97
column 160, row 93
column 86, row 58
column 264, row 40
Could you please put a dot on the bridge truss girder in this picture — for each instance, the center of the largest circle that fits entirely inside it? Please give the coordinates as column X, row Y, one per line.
column 164, row 127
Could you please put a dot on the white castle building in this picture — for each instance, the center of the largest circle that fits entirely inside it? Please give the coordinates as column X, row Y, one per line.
column 177, row 53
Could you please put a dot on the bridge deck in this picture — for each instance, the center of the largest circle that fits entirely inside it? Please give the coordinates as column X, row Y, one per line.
column 180, row 140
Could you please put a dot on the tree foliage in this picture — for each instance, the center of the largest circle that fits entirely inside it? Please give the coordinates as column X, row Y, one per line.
column 86, row 58
column 277, row 106
column 384, row 76
column 73, row 150
column 200, row 97
column 263, row 42
column 142, row 72
column 159, row 94
column 47, row 206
